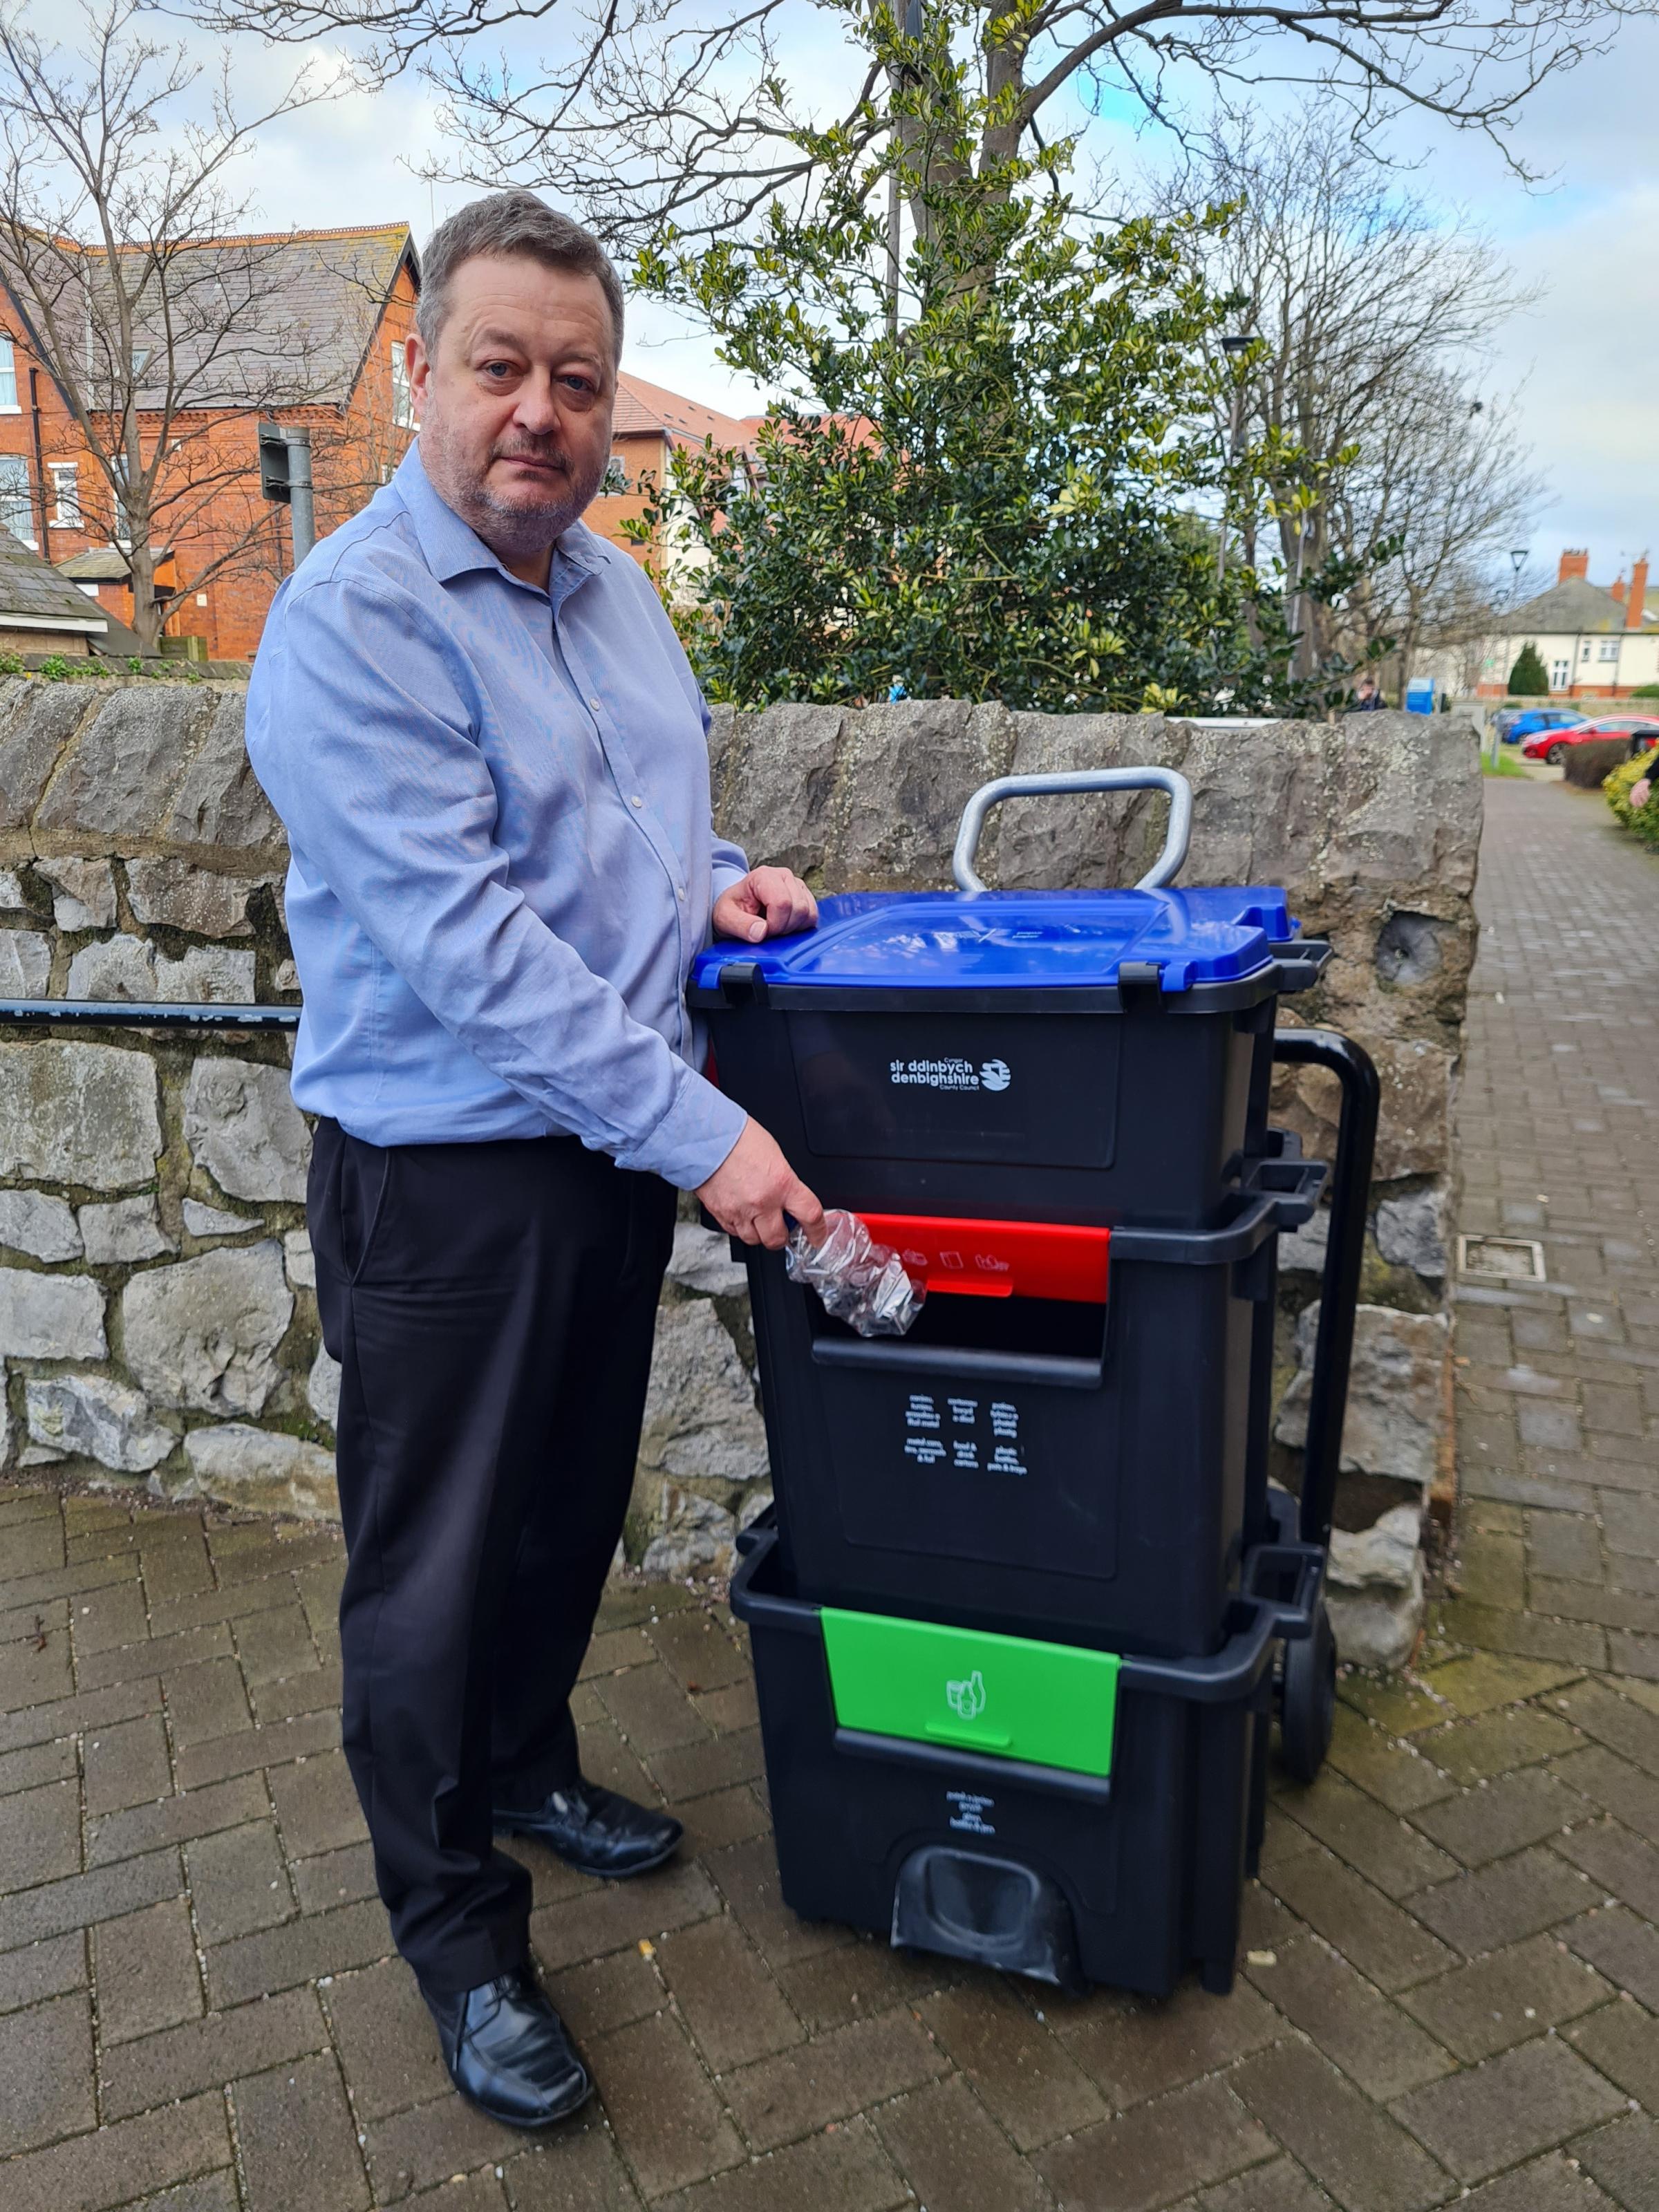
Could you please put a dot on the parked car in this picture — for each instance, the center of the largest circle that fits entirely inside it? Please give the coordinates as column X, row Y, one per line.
column 1514, row 723
column 1639, row 731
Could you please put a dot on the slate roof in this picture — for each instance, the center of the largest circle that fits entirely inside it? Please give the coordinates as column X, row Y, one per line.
column 305, row 305
column 1575, row 605
column 642, row 408
column 31, row 586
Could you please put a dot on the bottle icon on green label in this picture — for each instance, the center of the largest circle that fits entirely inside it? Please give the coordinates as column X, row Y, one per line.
column 967, row 1699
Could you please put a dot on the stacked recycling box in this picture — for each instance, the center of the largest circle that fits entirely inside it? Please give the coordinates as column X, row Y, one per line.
column 1016, row 1617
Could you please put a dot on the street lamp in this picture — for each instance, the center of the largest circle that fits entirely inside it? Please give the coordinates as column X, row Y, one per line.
column 1232, row 345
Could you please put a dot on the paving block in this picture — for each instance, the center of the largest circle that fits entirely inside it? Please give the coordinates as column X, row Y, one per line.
column 621, row 1914
column 1524, row 2102
column 843, row 2172
column 953, row 2155
column 82, row 1899
column 45, row 2074
column 1388, row 1945
column 579, row 2170
column 1623, row 1864
column 202, row 2053
column 1489, row 1679
column 1369, row 2039
column 731, row 2003
column 1496, row 1818
column 1625, row 1949
column 1622, row 2041
column 1614, row 1785
column 145, row 1972
column 238, row 1881
column 1498, row 1743
column 317, row 1806
column 176, row 1820
column 863, row 1978
column 1507, row 1998
column 1515, row 1897
column 1136, row 2048
column 667, row 2118
column 298, row 2141
column 39, row 1834
column 782, row 2098
column 118, row 2164
column 415, row 2149
column 1395, row 1773
column 1168, row 2145
column 1377, row 1844
column 385, row 2037
column 127, row 1764
column 301, row 1951
column 1624, row 2158
column 1552, row 2184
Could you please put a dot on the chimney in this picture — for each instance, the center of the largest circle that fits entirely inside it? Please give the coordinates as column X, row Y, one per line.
column 1618, row 591
column 1638, row 592
column 1574, row 563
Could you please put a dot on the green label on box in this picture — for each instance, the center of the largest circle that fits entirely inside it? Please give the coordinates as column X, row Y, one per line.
column 1053, row 1704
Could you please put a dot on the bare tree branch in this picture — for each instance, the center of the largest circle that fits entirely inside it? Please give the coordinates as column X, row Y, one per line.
column 649, row 112
column 155, row 321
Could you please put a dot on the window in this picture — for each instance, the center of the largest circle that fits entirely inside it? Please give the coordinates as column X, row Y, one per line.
column 402, row 399
column 15, row 505
column 7, row 378
column 1583, row 650
column 1608, row 649
column 1560, row 675
column 66, row 495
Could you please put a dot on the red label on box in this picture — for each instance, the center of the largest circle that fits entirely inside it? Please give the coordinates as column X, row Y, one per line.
column 1000, row 1259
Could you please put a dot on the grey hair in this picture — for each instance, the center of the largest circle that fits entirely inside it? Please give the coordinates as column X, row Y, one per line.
column 507, row 223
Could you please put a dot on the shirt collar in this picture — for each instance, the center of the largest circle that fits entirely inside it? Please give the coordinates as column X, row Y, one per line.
column 453, row 548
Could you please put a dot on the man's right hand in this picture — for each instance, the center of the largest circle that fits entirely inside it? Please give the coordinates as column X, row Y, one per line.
column 753, row 1189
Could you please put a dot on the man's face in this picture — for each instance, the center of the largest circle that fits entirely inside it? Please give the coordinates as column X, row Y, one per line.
column 515, row 403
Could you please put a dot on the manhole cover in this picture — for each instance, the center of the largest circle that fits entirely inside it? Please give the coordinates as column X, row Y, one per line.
column 1510, row 1259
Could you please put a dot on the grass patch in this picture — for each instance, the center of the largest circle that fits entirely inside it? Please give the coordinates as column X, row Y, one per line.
column 1505, row 764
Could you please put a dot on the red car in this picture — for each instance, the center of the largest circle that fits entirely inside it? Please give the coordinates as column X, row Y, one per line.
column 1639, row 733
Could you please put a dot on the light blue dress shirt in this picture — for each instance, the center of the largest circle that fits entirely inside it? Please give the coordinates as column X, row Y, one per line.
column 503, row 862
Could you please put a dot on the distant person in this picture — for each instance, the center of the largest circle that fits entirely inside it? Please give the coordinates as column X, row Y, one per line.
column 1367, row 699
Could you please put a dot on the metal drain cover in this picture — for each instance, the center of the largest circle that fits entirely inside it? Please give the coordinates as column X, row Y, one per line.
column 1504, row 1259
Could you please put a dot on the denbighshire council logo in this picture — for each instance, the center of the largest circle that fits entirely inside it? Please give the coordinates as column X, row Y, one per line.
column 952, row 1074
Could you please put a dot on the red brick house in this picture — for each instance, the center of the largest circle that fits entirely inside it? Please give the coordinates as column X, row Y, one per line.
column 347, row 296
column 358, row 288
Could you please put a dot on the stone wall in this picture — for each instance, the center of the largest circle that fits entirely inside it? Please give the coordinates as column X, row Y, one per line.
column 157, row 1311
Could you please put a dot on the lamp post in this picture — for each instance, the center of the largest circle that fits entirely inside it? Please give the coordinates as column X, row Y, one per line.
column 1517, row 562
column 1232, row 347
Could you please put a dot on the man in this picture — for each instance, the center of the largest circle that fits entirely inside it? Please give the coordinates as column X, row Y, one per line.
column 1367, row 699
column 490, row 756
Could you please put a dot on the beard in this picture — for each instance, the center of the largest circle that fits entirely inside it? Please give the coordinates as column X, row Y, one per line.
column 541, row 512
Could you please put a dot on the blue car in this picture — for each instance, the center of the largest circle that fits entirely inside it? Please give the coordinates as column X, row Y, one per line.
column 1513, row 727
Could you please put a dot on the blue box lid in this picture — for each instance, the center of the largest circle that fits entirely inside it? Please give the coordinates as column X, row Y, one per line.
column 980, row 941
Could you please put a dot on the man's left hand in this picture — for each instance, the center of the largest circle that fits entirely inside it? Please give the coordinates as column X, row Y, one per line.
column 768, row 903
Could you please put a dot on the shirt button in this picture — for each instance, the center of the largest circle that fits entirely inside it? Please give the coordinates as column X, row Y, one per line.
column 594, row 704
column 679, row 891
column 636, row 800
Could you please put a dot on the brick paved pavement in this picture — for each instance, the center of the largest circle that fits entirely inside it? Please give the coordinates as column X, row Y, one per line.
column 1452, row 1985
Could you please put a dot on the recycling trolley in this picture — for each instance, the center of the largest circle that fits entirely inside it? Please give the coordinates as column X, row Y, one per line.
column 1026, row 1602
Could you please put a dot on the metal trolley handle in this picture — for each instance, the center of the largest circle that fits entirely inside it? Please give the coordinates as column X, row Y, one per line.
column 1176, row 838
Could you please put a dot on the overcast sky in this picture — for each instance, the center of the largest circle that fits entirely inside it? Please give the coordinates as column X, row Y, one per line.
column 1587, row 353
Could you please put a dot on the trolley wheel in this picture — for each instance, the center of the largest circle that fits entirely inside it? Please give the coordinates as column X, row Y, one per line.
column 1308, row 1710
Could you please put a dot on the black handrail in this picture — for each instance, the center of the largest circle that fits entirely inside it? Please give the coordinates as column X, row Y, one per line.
column 1345, row 1250
column 139, row 1014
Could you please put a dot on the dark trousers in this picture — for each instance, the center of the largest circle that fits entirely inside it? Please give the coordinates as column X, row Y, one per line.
column 491, row 1307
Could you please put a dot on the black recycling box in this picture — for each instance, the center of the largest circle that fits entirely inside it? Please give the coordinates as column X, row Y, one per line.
column 1067, row 1814
column 1090, row 1057
column 1074, row 1442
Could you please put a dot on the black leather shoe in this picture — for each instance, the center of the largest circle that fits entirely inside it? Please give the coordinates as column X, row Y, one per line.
column 596, row 1831
column 508, row 2052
